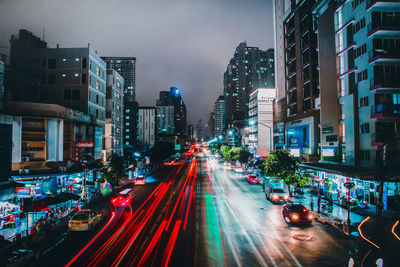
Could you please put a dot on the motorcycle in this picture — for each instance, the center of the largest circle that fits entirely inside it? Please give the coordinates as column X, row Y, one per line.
column 326, row 206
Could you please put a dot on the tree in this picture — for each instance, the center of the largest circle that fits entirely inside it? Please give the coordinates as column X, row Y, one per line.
column 243, row 155
column 161, row 151
column 114, row 170
column 282, row 165
column 224, row 151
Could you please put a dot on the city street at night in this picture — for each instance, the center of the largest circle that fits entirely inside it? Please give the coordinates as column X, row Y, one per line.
column 203, row 133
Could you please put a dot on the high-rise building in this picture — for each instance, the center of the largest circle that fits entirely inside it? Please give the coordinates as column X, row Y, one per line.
column 146, row 127
column 210, row 126
column 324, row 26
column 302, row 87
column 282, row 9
column 219, row 113
column 165, row 120
column 250, row 68
column 261, row 121
column 367, row 44
column 2, row 72
column 174, row 98
column 190, row 132
column 71, row 77
column 113, row 131
column 126, row 67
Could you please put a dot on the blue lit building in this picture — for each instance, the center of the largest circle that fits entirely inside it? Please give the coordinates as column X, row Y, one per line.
column 367, row 35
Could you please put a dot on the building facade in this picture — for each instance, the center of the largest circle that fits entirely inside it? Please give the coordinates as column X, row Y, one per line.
column 126, row 67
column 324, row 27
column 174, row 98
column 219, row 114
column 260, row 139
column 165, row 120
column 2, row 81
column 250, row 68
column 367, row 44
column 146, row 127
column 50, row 137
column 70, row 77
column 6, row 145
column 113, row 130
column 302, row 88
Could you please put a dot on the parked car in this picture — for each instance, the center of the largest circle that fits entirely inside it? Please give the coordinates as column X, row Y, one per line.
column 253, row 179
column 84, row 220
column 20, row 257
column 296, row 213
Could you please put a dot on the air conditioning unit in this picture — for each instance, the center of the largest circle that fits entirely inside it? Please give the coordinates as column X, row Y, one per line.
column 25, row 158
column 23, row 171
column 63, row 169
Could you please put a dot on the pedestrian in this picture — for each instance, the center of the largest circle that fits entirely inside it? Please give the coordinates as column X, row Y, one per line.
column 331, row 203
column 312, row 203
column 319, row 204
column 338, row 197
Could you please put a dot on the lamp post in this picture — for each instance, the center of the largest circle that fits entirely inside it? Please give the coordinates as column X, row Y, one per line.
column 270, row 133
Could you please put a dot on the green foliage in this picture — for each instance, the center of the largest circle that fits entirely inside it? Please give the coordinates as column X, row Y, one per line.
column 224, row 151
column 243, row 155
column 282, row 165
column 302, row 178
column 114, row 171
column 161, row 151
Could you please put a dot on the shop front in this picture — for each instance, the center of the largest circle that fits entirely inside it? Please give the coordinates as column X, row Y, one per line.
column 365, row 193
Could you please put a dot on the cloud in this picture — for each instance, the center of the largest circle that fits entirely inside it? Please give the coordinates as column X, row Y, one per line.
column 184, row 43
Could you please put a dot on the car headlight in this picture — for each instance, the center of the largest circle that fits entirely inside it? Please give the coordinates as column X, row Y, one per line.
column 295, row 216
column 310, row 217
column 275, row 196
column 286, row 197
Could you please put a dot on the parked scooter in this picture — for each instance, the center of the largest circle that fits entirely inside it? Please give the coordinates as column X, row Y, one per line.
column 326, row 206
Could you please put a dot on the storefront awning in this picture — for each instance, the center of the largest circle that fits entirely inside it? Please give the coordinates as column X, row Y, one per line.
column 360, row 172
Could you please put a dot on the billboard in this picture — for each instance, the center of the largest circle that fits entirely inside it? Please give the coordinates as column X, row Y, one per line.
column 298, row 136
column 98, row 142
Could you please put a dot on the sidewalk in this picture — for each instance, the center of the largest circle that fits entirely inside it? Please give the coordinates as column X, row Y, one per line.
column 337, row 211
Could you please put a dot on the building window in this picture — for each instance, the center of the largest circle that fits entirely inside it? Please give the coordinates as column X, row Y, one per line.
column 97, row 85
column 365, row 155
column 51, row 79
column 97, row 99
column 84, row 63
column 359, row 51
column 364, row 128
column 75, row 94
column 361, row 76
column 364, row 102
column 98, row 71
column 83, row 78
column 97, row 113
column 52, row 63
column 67, row 94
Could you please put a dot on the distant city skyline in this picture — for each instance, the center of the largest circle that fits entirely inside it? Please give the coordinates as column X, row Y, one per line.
column 182, row 43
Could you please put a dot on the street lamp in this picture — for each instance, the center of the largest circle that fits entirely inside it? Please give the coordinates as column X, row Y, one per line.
column 270, row 132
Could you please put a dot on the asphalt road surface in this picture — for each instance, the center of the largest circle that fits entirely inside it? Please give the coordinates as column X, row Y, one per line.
column 197, row 214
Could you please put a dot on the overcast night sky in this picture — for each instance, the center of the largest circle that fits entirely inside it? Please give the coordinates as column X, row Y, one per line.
column 183, row 43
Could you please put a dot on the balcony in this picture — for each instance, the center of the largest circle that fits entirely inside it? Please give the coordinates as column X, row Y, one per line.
column 381, row 138
column 384, row 27
column 381, row 55
column 371, row 4
column 385, row 111
column 382, row 84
